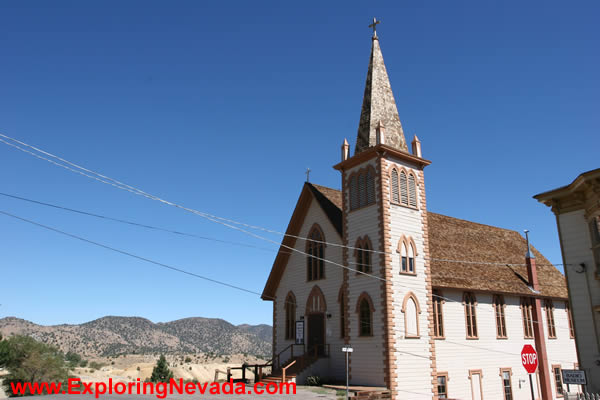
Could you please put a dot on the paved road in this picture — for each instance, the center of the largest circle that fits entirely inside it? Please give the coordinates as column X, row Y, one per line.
column 302, row 393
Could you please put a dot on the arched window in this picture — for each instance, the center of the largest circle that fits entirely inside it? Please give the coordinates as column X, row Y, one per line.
column 550, row 318
column 363, row 255
column 365, row 309
column 526, row 311
column 499, row 306
column 362, row 192
column 438, row 318
column 404, row 257
column 370, row 187
column 362, row 188
column 290, row 316
column 343, row 301
column 395, row 192
column 411, row 309
column 411, row 258
column 403, row 188
column 470, row 315
column 353, row 192
column 412, row 190
column 315, row 268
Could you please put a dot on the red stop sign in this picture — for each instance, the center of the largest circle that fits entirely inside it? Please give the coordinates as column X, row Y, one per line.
column 529, row 358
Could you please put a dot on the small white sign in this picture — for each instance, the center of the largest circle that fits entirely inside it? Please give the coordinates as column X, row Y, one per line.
column 573, row 377
column 347, row 349
column 299, row 332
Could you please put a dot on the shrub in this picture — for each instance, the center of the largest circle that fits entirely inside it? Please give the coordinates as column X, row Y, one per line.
column 313, row 380
column 188, row 359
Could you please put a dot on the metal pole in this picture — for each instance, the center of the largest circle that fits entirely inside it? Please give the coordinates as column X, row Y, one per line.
column 347, row 391
column 531, row 386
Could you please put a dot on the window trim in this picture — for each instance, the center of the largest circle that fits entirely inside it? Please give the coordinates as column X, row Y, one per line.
column 408, row 242
column 309, row 244
column 411, row 296
column 357, row 174
column 290, row 325
column 554, row 367
column 365, row 296
column 359, row 245
column 527, row 316
column 502, row 371
column 474, row 372
column 570, row 319
column 502, row 305
column 438, row 307
column 445, row 375
column 473, row 317
column 408, row 172
column 550, row 322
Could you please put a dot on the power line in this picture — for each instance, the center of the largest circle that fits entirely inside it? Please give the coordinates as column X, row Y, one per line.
column 115, row 183
column 151, row 227
column 123, row 221
column 214, row 218
column 177, row 269
column 126, row 253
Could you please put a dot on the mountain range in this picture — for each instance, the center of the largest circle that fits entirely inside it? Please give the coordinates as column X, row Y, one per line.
column 111, row 336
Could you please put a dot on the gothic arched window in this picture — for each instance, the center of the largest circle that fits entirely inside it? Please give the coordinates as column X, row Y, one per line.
column 290, row 316
column 395, row 192
column 412, row 190
column 365, row 309
column 315, row 248
column 403, row 188
column 363, row 255
column 411, row 309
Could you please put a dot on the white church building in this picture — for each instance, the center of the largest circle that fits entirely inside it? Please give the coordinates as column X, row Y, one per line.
column 433, row 306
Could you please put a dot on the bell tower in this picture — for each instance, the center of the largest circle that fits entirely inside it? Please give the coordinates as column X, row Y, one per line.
column 388, row 293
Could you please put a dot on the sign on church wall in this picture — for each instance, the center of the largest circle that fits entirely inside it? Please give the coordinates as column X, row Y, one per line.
column 299, row 332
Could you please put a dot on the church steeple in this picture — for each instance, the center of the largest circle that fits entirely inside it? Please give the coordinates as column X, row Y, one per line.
column 379, row 106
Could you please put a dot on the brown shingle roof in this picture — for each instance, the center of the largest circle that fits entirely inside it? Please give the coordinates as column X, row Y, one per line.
column 471, row 243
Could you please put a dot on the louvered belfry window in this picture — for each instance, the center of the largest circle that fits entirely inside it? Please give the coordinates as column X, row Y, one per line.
column 362, row 189
column 403, row 188
column 315, row 268
column 395, row 188
column 353, row 192
column 412, row 190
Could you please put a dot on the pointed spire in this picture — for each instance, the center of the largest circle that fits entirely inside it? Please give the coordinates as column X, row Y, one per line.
column 378, row 105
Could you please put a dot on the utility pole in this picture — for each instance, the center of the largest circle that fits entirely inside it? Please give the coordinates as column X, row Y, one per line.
column 347, row 350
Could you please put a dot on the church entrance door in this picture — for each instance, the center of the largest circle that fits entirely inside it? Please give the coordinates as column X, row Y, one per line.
column 316, row 333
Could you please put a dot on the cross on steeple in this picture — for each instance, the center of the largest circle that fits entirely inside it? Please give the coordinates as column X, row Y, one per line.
column 307, row 174
column 374, row 26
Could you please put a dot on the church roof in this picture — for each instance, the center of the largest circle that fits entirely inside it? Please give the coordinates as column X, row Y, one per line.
column 464, row 255
column 379, row 106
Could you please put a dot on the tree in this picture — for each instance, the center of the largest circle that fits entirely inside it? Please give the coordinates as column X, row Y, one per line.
column 161, row 371
column 28, row 360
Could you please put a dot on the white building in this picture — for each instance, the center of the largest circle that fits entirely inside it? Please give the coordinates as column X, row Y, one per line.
column 432, row 305
column 577, row 210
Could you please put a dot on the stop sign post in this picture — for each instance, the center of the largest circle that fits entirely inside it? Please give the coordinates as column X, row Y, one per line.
column 529, row 359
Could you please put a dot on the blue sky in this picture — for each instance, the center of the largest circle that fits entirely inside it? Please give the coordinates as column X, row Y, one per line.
column 221, row 106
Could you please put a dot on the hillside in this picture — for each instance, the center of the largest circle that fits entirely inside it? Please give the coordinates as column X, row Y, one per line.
column 110, row 336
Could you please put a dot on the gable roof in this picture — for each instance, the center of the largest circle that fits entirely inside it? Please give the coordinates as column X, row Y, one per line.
column 483, row 251
column 330, row 201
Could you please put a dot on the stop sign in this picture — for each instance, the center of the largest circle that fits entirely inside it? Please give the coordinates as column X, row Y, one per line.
column 529, row 358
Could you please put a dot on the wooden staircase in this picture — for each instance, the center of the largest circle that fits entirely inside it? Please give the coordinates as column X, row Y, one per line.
column 296, row 364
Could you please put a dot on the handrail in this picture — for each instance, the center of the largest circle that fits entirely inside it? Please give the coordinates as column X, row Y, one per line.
column 285, row 369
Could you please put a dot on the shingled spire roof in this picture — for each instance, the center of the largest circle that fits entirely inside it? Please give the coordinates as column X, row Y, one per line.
column 379, row 106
